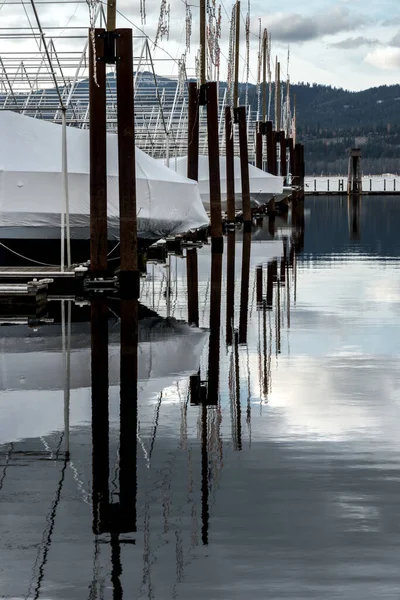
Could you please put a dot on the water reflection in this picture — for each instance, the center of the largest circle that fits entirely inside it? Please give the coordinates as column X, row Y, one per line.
column 256, row 455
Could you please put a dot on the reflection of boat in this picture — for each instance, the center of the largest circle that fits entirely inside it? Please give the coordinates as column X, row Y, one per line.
column 32, row 196
column 263, row 185
column 33, row 371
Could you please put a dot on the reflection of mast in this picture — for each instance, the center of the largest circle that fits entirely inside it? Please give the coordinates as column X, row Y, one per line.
column 230, row 286
column 244, row 288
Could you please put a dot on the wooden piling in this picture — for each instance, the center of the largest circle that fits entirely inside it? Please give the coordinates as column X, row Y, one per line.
column 259, row 146
column 98, row 155
column 129, row 275
column 271, row 148
column 193, row 132
column 244, row 165
column 230, row 286
column 282, row 143
column 193, row 284
column 237, row 41
column 100, row 415
column 244, row 287
column 213, row 165
column 230, row 165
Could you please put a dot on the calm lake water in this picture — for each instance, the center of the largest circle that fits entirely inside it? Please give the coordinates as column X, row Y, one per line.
column 287, row 487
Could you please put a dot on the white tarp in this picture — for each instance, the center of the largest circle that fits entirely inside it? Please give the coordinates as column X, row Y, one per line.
column 31, row 188
column 261, row 182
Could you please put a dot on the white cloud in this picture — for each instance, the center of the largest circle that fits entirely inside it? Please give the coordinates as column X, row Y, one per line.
column 384, row 58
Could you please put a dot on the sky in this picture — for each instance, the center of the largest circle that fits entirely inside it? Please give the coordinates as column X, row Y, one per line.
column 355, row 45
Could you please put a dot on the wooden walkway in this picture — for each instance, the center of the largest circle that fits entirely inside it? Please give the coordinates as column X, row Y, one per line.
column 23, row 273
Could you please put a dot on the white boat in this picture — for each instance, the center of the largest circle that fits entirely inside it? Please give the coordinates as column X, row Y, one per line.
column 263, row 185
column 32, row 193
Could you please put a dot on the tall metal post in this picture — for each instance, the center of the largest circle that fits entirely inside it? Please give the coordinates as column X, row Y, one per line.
column 244, row 164
column 259, row 146
column 237, row 42
column 202, row 42
column 230, row 165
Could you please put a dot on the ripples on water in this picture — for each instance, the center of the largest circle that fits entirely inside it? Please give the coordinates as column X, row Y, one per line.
column 286, row 488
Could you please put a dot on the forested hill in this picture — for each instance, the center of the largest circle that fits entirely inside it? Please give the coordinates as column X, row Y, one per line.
column 330, row 121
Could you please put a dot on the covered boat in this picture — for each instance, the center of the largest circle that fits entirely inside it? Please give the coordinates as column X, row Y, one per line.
column 32, row 191
column 263, row 185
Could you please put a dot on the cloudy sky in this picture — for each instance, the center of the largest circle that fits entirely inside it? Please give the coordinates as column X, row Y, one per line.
column 355, row 44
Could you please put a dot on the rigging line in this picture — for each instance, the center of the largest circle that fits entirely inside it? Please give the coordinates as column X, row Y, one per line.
column 51, row 521
column 26, row 257
column 8, row 458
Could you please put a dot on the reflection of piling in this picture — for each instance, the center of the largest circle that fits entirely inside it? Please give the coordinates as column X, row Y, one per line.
column 244, row 286
column 265, row 364
column 204, row 475
column 98, row 156
column 213, row 165
column 193, row 131
column 278, row 317
column 230, row 165
column 353, row 210
column 215, row 325
column 271, row 224
column 230, row 286
column 244, row 164
column 129, row 275
column 192, row 283
column 128, row 416
column 270, row 285
column 259, row 285
column 100, row 457
column 238, row 411
column 259, row 145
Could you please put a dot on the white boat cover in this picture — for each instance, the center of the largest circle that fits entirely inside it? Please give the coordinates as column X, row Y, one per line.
column 31, row 185
column 261, row 182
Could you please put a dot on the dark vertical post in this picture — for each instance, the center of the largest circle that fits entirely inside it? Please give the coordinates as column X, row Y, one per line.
column 128, row 415
column 271, row 148
column 244, row 165
column 259, row 285
column 230, row 165
column 244, row 287
column 282, row 143
column 230, row 286
column 259, row 146
column 100, row 420
column 129, row 276
column 193, row 132
column 213, row 165
column 192, row 283
column 289, row 145
column 237, row 41
column 98, row 155
column 215, row 326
